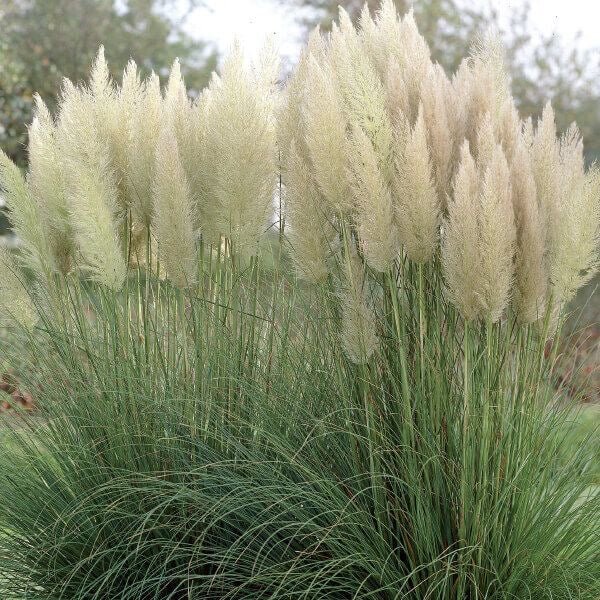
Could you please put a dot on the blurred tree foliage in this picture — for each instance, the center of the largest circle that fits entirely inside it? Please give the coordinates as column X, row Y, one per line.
column 42, row 41
column 542, row 67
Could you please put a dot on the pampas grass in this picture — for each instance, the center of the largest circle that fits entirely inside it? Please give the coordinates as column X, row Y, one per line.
column 240, row 146
column 310, row 232
column 351, row 398
column 46, row 181
column 24, row 214
column 16, row 305
column 417, row 203
column 174, row 213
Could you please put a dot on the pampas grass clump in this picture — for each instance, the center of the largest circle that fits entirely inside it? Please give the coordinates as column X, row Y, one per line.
column 352, row 399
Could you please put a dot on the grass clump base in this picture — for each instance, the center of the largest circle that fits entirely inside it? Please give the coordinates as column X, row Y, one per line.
column 190, row 451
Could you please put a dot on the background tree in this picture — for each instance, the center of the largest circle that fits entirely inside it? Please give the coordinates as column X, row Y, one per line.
column 550, row 69
column 41, row 42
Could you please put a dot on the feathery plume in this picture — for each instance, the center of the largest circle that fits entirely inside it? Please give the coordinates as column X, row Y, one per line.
column 485, row 141
column 417, row 204
column 197, row 165
column 496, row 243
column 290, row 118
column 530, row 270
column 358, row 335
column 15, row 303
column 374, row 210
column 414, row 56
column 568, row 200
column 325, row 127
column 111, row 109
column 462, row 83
column 92, row 188
column 379, row 36
column 369, row 37
column 266, row 70
column 399, row 53
column 46, row 181
column 573, row 252
column 291, row 110
column 176, row 100
column 545, row 152
column 311, row 233
column 483, row 86
column 240, row 144
column 509, row 129
column 362, row 91
column 127, row 103
column 436, row 96
column 460, row 238
column 101, row 85
column 146, row 122
column 173, row 217
column 179, row 111
column 479, row 239
column 397, row 105
column 24, row 217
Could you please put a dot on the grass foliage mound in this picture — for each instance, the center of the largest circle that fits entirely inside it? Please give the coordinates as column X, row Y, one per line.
column 178, row 457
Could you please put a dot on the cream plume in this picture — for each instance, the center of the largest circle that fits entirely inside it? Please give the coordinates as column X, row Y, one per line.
column 574, row 239
column 497, row 237
column 146, row 120
column 311, row 233
column 325, row 127
column 531, row 276
column 16, row 305
column 47, row 184
column 436, row 98
column 173, row 212
column 374, row 210
column 358, row 335
column 478, row 248
column 417, row 203
column 362, row 91
column 482, row 85
column 24, row 216
column 241, row 151
column 92, row 190
column 109, row 116
column 460, row 238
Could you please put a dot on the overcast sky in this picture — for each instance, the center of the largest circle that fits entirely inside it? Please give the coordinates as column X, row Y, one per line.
column 251, row 21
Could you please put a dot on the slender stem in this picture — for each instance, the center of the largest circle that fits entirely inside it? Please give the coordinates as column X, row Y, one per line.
column 465, row 466
column 422, row 327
